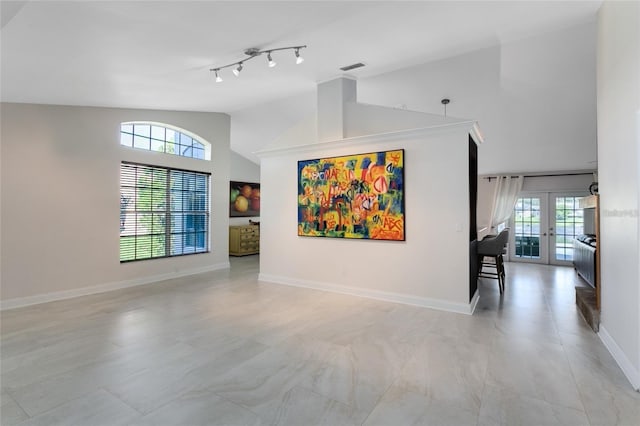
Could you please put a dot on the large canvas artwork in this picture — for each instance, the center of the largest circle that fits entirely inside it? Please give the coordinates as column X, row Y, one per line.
column 356, row 196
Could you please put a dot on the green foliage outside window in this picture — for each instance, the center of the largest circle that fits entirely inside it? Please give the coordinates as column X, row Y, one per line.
column 161, row 213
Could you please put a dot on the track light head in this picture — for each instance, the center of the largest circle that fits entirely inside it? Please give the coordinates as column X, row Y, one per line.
column 299, row 59
column 272, row 63
column 218, row 78
column 236, row 71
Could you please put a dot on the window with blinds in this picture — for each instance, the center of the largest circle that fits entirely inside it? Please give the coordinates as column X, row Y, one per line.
column 163, row 212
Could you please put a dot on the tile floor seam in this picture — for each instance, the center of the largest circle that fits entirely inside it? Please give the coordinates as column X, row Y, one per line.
column 484, row 383
column 322, row 395
column 55, row 406
column 104, row 388
column 237, row 404
column 568, row 360
column 575, row 381
column 482, row 400
column 380, row 398
column 580, row 394
column 543, row 401
column 6, row 390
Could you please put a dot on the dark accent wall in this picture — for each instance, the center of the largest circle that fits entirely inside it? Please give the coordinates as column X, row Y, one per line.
column 473, row 227
column 473, row 189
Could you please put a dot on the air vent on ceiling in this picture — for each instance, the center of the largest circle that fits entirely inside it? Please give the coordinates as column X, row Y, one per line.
column 352, row 66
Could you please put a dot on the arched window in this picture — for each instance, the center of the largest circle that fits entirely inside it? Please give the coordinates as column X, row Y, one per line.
column 164, row 211
column 160, row 137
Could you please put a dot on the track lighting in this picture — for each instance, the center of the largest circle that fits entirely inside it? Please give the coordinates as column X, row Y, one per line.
column 252, row 53
column 236, row 72
column 272, row 63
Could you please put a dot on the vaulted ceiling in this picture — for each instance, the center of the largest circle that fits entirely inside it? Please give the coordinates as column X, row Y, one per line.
column 157, row 55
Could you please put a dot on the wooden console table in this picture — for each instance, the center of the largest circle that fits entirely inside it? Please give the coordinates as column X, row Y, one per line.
column 244, row 240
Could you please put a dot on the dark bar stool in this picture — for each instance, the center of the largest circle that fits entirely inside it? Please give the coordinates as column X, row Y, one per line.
column 493, row 246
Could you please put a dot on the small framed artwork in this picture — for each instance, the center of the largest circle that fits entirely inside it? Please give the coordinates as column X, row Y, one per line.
column 358, row 196
column 244, row 199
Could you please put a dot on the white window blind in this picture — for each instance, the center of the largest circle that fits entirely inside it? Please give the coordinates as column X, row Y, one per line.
column 163, row 212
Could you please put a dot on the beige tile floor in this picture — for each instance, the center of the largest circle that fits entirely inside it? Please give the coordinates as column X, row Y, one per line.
column 222, row 348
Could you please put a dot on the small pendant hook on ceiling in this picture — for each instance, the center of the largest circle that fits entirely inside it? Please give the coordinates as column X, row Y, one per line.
column 444, row 102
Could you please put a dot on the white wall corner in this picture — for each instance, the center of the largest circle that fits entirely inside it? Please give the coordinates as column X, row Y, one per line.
column 242, row 169
column 304, row 132
column 618, row 83
column 476, row 134
column 333, row 95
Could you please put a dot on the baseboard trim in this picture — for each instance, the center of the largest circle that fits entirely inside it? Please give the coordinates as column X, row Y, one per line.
column 620, row 357
column 20, row 302
column 442, row 305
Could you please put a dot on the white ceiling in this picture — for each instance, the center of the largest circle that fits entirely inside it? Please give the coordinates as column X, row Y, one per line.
column 157, row 55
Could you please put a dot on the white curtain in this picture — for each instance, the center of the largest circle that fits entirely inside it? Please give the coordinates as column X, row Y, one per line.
column 504, row 198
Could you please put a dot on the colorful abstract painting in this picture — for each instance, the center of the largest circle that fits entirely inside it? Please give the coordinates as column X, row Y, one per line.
column 355, row 196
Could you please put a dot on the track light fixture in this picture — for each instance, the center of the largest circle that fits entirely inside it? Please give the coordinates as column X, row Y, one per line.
column 236, row 72
column 254, row 52
column 272, row 63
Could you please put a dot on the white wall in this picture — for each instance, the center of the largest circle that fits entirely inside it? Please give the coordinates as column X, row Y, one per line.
column 243, row 170
column 60, row 199
column 366, row 119
column 569, row 183
column 254, row 128
column 619, row 181
column 430, row 268
column 534, row 99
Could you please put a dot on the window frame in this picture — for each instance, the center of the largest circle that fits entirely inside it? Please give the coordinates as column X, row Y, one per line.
column 171, row 231
column 144, row 141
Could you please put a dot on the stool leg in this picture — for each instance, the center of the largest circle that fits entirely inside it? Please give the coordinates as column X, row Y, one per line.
column 500, row 271
column 504, row 275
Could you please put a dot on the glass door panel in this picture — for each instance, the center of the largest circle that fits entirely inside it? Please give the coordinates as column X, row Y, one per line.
column 568, row 223
column 528, row 235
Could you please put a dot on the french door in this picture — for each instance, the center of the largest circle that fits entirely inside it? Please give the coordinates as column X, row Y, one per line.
column 528, row 236
column 568, row 221
column 543, row 226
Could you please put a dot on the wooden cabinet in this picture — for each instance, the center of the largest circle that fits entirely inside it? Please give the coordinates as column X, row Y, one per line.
column 593, row 202
column 244, row 240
